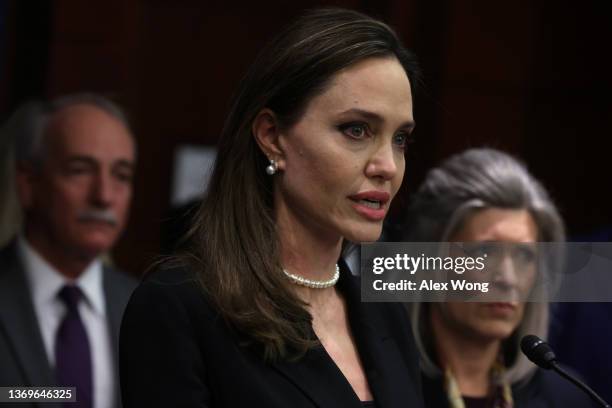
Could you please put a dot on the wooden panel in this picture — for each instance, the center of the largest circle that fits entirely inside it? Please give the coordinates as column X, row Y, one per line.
column 569, row 111
column 532, row 78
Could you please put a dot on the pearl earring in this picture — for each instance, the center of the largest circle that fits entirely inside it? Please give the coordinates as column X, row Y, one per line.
column 272, row 167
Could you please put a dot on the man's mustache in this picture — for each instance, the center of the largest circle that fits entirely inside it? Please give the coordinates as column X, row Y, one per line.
column 107, row 216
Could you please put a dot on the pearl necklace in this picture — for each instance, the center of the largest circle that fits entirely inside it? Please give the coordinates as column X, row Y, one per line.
column 315, row 284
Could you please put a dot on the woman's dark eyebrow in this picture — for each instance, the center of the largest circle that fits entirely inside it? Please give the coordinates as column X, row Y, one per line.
column 374, row 117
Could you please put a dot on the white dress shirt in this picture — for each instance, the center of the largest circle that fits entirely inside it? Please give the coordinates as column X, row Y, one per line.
column 45, row 283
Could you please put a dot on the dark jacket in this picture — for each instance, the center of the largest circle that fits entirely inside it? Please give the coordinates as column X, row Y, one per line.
column 581, row 334
column 544, row 390
column 175, row 351
column 23, row 359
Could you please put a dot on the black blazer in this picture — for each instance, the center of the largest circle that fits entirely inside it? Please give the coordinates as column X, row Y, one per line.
column 544, row 390
column 175, row 351
column 23, row 359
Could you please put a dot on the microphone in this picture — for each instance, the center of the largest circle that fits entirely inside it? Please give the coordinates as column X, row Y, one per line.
column 542, row 355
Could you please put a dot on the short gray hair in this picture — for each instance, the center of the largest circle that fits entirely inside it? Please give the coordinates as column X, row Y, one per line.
column 28, row 125
column 477, row 179
column 467, row 182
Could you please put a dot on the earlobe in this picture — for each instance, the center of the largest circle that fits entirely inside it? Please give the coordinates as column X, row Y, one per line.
column 265, row 130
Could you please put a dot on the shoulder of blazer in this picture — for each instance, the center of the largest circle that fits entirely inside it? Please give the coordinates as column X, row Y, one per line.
column 178, row 280
column 547, row 386
column 12, row 276
column 18, row 322
column 8, row 256
column 117, row 287
column 118, row 284
column 174, row 284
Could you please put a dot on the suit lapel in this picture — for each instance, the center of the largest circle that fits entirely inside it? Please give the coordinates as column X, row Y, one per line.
column 319, row 379
column 385, row 369
column 117, row 290
column 383, row 361
column 19, row 320
column 114, row 308
column 322, row 381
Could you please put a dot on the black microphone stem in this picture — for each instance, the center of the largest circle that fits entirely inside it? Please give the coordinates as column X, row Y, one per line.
column 580, row 384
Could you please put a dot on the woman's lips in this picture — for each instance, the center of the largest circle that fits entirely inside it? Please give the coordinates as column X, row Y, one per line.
column 502, row 308
column 372, row 214
column 371, row 204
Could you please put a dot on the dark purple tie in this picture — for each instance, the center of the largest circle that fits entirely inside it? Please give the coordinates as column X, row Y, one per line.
column 72, row 352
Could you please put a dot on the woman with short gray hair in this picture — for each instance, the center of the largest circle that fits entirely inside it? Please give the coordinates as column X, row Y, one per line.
column 470, row 350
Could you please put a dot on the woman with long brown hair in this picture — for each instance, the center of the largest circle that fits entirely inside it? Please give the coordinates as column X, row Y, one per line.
column 260, row 312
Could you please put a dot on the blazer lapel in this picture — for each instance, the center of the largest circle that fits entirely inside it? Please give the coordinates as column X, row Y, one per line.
column 385, row 369
column 390, row 382
column 19, row 320
column 383, row 361
column 114, row 310
column 319, row 379
column 117, row 291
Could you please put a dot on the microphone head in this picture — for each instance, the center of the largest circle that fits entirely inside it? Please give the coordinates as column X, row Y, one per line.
column 538, row 351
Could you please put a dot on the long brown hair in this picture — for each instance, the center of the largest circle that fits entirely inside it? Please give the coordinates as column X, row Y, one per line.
column 234, row 243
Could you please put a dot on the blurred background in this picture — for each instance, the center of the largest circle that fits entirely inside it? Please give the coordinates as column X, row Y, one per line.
column 530, row 77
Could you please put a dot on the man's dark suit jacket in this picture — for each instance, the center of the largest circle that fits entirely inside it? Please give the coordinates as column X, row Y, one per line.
column 23, row 359
column 176, row 351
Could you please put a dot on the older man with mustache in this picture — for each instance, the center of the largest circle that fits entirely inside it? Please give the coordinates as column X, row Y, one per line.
column 60, row 308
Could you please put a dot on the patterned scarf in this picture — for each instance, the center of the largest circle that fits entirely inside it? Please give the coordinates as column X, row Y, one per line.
column 501, row 395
